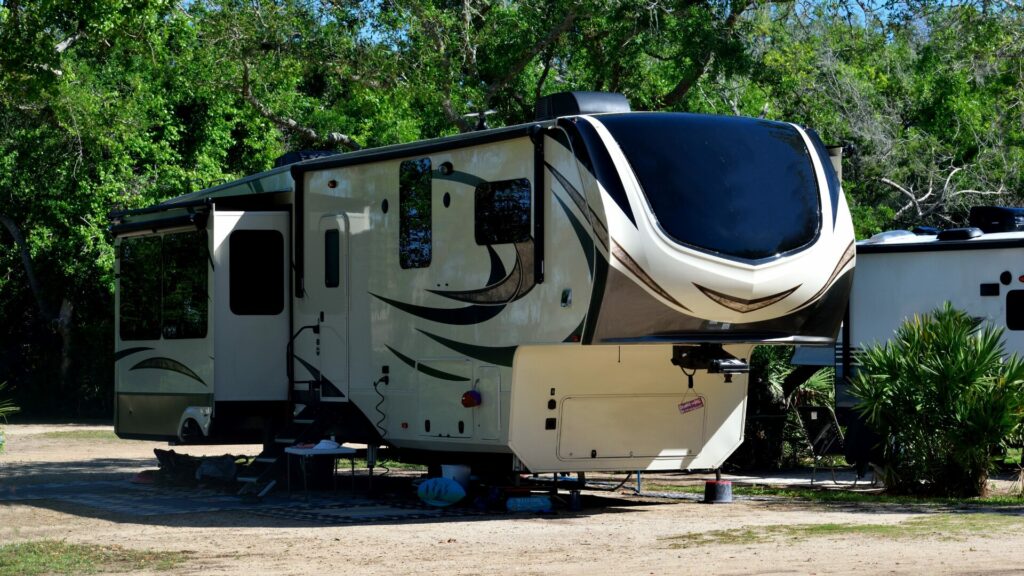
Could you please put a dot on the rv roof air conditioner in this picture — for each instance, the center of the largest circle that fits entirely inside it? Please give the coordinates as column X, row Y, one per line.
column 575, row 103
column 996, row 218
column 883, row 237
column 959, row 234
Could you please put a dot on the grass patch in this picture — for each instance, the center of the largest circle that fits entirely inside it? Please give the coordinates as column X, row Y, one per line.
column 1011, row 458
column 55, row 557
column 79, row 435
column 840, row 496
column 391, row 465
column 944, row 525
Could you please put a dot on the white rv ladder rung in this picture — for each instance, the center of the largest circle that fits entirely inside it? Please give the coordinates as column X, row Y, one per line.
column 267, row 488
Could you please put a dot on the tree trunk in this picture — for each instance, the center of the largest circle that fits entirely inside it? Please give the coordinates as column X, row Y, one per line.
column 60, row 322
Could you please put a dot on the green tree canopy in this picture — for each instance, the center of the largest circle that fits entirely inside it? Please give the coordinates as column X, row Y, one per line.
column 110, row 104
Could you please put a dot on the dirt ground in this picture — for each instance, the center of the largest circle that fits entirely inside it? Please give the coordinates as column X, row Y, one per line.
column 619, row 535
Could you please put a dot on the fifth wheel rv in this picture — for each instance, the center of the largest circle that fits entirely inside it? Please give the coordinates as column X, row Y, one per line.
column 577, row 293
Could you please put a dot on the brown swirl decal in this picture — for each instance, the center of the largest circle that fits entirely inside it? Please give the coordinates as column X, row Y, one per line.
column 512, row 287
column 845, row 259
column 622, row 256
column 743, row 305
column 599, row 227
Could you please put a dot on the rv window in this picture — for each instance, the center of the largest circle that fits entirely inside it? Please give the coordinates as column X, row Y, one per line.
column 185, row 302
column 256, row 276
column 1015, row 310
column 735, row 187
column 415, row 240
column 503, row 212
column 332, row 258
column 140, row 288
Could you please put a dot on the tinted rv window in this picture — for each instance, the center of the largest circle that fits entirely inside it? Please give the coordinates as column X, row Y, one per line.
column 1015, row 310
column 736, row 187
column 332, row 258
column 140, row 288
column 185, row 301
column 503, row 212
column 256, row 276
column 415, row 240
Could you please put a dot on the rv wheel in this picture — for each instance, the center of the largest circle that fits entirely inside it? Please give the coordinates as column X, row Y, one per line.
column 190, row 431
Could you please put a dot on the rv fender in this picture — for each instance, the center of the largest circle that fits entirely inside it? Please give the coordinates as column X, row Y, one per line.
column 199, row 417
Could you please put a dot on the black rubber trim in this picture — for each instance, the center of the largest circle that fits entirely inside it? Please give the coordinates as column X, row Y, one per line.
column 539, row 193
column 157, row 437
column 159, row 208
column 947, row 246
column 724, row 338
column 197, row 220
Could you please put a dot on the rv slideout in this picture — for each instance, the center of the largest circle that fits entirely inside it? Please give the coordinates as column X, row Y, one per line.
column 579, row 293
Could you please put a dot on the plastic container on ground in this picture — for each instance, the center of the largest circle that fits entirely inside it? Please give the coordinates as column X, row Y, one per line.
column 457, row 472
column 529, row 504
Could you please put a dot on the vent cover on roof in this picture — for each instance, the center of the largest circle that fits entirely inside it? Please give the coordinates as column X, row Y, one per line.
column 575, row 103
column 996, row 218
column 959, row 234
column 300, row 155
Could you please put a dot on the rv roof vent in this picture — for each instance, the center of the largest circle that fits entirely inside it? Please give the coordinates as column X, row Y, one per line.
column 959, row 234
column 883, row 237
column 574, row 103
column 300, row 155
column 996, row 218
column 925, row 231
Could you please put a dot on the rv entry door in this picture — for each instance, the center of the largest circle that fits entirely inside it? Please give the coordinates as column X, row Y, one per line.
column 327, row 296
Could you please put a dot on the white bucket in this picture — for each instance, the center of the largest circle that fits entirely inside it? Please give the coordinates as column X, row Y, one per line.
column 457, row 472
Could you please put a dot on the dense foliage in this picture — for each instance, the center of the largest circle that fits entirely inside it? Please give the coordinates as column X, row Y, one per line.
column 774, row 436
column 943, row 398
column 110, row 104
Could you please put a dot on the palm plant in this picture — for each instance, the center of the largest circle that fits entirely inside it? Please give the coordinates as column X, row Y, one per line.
column 818, row 390
column 943, row 398
column 7, row 408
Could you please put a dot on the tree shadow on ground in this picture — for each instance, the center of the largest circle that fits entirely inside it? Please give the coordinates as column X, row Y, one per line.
column 101, row 489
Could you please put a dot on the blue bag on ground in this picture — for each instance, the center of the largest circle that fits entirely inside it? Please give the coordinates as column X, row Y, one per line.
column 441, row 491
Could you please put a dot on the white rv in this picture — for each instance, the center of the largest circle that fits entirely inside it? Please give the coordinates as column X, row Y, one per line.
column 578, row 293
column 901, row 273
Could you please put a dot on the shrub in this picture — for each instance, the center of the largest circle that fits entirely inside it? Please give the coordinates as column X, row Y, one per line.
column 943, row 398
column 774, row 436
column 6, row 409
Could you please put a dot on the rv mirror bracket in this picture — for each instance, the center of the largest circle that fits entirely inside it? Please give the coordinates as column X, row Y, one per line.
column 710, row 357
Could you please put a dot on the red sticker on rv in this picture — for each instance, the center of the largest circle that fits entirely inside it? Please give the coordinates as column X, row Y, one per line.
column 691, row 405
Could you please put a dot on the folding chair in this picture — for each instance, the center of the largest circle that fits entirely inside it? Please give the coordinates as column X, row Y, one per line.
column 823, row 434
